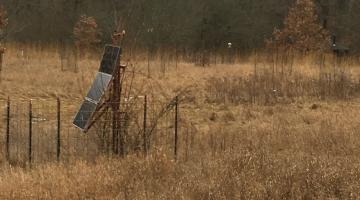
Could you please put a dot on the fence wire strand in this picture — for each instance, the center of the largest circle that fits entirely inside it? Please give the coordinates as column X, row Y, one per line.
column 78, row 145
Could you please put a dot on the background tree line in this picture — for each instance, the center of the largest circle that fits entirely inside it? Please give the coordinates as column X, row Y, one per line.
column 185, row 24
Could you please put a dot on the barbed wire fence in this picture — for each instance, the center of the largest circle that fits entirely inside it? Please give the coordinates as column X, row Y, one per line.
column 40, row 131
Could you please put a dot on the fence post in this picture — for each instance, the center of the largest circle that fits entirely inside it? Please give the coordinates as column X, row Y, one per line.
column 176, row 126
column 7, row 145
column 58, row 138
column 2, row 52
column 145, row 127
column 30, row 132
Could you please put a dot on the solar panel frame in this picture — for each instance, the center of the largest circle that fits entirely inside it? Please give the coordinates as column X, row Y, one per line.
column 102, row 81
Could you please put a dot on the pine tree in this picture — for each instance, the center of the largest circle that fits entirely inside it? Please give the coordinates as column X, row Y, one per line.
column 302, row 30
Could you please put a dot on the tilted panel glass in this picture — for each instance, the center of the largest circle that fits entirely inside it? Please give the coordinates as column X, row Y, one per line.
column 84, row 115
column 110, row 59
column 99, row 87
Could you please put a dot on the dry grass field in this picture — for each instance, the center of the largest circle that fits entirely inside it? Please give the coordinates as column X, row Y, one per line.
column 258, row 131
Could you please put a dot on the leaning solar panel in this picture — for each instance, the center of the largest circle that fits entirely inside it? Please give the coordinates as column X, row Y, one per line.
column 99, row 87
column 109, row 62
column 84, row 115
column 110, row 59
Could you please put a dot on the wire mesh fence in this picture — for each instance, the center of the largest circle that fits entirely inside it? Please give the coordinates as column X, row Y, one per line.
column 39, row 131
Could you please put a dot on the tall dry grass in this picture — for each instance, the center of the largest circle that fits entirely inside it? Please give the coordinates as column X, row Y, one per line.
column 250, row 174
column 253, row 131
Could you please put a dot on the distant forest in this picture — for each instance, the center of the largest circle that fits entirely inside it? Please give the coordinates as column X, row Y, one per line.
column 190, row 24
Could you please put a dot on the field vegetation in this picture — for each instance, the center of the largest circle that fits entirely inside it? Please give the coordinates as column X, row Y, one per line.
column 256, row 133
column 269, row 104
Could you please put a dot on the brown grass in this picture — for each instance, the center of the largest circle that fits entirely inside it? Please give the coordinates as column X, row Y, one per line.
column 241, row 140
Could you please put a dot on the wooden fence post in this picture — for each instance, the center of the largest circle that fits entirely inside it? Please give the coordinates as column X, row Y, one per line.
column 145, row 127
column 176, row 126
column 30, row 132
column 58, row 138
column 7, row 145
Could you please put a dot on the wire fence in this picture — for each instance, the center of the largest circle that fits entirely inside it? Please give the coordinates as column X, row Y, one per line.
column 40, row 131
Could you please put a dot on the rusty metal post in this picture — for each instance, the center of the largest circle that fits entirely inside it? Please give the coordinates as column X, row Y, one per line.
column 117, row 137
column 2, row 52
column 30, row 132
column 7, row 145
column 116, row 112
column 176, row 127
column 145, row 126
column 1, row 59
column 148, row 63
column 58, row 138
